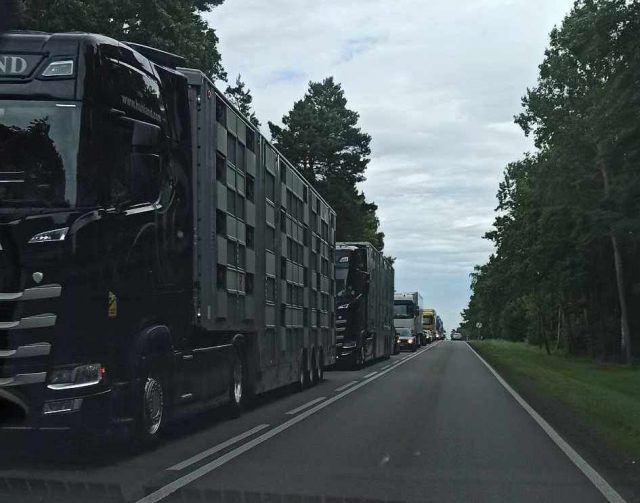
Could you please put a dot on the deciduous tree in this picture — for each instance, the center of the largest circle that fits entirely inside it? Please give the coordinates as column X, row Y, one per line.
column 172, row 25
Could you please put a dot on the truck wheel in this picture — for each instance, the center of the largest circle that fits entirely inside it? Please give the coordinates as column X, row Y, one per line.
column 303, row 374
column 320, row 366
column 313, row 375
column 237, row 384
column 362, row 357
column 151, row 409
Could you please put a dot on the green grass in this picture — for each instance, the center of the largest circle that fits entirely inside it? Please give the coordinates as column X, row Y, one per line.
column 605, row 396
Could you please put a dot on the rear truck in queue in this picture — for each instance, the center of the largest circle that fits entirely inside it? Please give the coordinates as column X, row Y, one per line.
column 440, row 332
column 407, row 313
column 429, row 324
column 157, row 254
column 364, row 304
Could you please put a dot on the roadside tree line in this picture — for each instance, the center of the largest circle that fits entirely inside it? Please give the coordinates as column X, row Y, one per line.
column 320, row 133
column 566, row 271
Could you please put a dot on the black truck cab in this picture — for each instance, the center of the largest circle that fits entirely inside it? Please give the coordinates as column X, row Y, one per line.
column 95, row 225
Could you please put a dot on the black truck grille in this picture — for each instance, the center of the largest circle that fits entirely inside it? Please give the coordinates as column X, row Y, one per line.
column 7, row 310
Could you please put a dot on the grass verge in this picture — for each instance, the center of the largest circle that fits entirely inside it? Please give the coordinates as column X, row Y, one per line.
column 604, row 397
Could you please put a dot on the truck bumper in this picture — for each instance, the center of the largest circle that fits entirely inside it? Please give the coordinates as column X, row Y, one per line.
column 94, row 411
column 345, row 353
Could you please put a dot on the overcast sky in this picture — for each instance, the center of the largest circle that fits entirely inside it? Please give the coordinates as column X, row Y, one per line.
column 436, row 83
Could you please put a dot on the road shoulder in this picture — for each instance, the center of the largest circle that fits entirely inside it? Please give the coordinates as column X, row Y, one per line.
column 622, row 472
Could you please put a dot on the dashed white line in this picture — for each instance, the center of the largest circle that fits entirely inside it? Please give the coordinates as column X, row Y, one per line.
column 386, row 367
column 217, row 448
column 207, row 468
column 345, row 386
column 305, row 406
column 370, row 374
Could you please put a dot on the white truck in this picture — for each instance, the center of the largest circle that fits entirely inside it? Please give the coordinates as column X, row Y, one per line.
column 407, row 312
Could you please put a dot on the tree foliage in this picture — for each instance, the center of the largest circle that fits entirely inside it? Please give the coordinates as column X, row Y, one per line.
column 321, row 136
column 241, row 97
column 565, row 271
column 172, row 25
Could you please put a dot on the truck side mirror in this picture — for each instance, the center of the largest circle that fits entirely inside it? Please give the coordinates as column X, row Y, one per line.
column 366, row 281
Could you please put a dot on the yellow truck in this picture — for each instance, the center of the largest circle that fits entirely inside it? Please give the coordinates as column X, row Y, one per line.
column 429, row 325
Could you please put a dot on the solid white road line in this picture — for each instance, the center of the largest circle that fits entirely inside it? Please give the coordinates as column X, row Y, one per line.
column 370, row 374
column 610, row 494
column 217, row 448
column 186, row 479
column 385, row 367
column 345, row 386
column 305, row 406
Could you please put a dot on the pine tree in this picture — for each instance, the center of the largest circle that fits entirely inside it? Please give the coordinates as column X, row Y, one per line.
column 241, row 97
column 321, row 136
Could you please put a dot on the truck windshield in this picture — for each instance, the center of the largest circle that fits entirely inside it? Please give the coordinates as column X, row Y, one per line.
column 342, row 259
column 403, row 310
column 341, row 281
column 38, row 153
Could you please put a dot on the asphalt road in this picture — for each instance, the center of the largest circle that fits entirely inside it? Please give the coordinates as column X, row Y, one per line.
column 434, row 425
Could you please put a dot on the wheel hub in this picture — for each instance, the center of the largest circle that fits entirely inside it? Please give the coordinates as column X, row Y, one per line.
column 153, row 405
column 237, row 382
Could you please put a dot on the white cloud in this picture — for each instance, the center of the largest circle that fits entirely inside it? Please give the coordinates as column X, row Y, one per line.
column 436, row 83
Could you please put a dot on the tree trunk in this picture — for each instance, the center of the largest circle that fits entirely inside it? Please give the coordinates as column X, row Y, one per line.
column 625, row 341
column 569, row 331
column 543, row 332
column 559, row 326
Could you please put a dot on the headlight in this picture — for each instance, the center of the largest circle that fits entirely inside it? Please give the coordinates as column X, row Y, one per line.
column 52, row 235
column 349, row 345
column 59, row 69
column 343, row 306
column 76, row 377
column 411, row 339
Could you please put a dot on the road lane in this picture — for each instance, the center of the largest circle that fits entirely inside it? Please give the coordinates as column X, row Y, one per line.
column 437, row 428
column 429, row 426
column 54, row 464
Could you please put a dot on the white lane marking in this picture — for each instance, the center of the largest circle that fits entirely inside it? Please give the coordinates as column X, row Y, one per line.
column 370, row 374
column 610, row 494
column 186, row 479
column 306, row 405
column 217, row 448
column 345, row 386
column 385, row 367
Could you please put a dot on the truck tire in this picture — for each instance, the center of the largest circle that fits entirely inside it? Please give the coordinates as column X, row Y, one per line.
column 151, row 409
column 320, row 365
column 313, row 374
column 362, row 357
column 303, row 374
column 238, row 383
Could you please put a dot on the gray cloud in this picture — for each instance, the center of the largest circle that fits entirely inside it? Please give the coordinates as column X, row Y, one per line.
column 436, row 84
